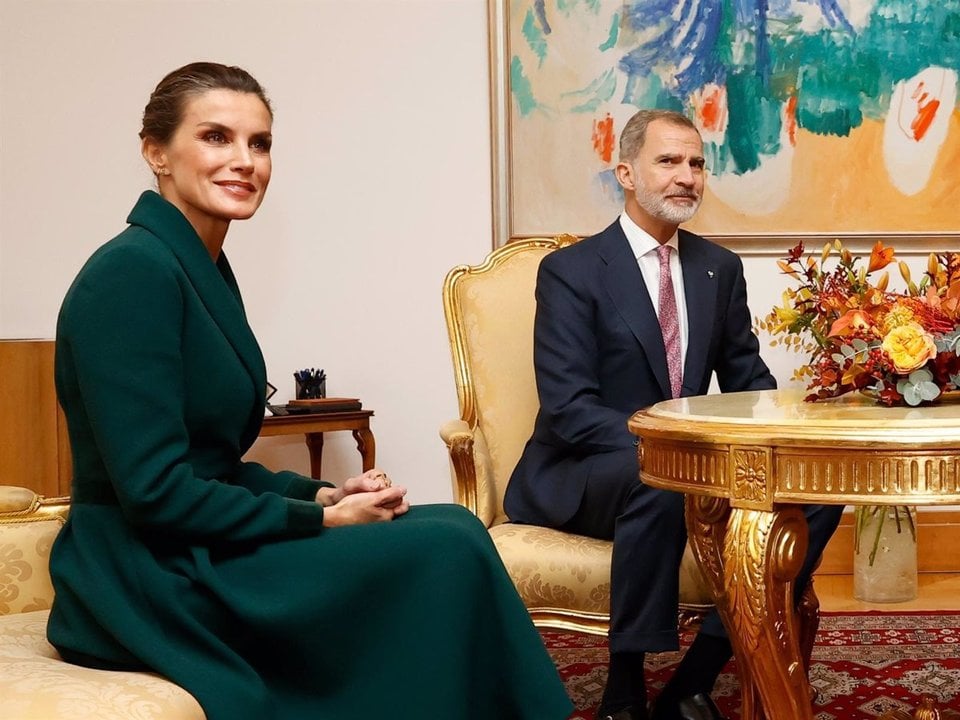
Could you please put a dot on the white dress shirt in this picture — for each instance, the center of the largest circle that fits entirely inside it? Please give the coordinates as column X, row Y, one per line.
column 645, row 251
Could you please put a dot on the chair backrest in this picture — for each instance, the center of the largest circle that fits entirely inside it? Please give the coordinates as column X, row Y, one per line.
column 28, row 526
column 490, row 310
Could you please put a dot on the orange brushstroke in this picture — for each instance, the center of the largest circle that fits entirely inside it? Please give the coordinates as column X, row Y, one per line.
column 711, row 111
column 926, row 111
column 790, row 117
column 603, row 138
column 925, row 115
column 710, row 105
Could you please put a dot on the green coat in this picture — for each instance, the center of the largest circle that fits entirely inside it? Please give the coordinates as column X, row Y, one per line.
column 217, row 573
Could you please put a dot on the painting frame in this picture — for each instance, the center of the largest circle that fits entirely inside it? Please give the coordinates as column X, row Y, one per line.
column 767, row 243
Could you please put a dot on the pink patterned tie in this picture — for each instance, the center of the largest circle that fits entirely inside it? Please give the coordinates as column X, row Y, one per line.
column 669, row 323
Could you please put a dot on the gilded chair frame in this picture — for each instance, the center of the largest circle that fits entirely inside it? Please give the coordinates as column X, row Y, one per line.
column 461, row 445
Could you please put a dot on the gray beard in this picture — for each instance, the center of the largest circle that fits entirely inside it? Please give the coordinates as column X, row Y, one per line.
column 663, row 209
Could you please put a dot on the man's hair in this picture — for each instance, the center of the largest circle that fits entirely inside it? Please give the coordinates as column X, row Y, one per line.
column 635, row 131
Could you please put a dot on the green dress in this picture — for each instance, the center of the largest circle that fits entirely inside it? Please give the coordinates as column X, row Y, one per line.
column 218, row 573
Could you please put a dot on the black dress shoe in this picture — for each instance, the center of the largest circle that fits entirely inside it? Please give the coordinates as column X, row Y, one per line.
column 632, row 712
column 695, row 707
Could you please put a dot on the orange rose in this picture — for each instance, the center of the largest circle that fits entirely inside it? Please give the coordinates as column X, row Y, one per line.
column 909, row 346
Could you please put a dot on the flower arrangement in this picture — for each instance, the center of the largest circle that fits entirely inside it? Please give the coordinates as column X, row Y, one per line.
column 899, row 347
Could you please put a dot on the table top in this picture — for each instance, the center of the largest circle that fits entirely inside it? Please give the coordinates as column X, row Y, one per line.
column 315, row 422
column 762, row 447
column 785, row 416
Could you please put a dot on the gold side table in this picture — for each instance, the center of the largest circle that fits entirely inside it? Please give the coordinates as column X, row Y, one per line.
column 747, row 461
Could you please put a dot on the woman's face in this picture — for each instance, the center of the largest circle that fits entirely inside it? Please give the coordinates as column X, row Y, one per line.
column 217, row 166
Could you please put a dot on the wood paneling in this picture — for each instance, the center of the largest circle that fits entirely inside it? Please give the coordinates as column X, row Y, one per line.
column 34, row 449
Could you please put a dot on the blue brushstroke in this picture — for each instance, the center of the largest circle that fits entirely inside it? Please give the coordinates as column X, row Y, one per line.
column 541, row 10
column 609, row 186
column 834, row 15
column 669, row 49
column 759, row 23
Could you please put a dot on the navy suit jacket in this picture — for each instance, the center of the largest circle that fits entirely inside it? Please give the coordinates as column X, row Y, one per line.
column 599, row 357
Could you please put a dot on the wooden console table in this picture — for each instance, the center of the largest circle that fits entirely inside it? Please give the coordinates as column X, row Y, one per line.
column 747, row 461
column 315, row 425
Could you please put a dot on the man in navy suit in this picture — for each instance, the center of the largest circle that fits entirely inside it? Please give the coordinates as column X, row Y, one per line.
column 600, row 354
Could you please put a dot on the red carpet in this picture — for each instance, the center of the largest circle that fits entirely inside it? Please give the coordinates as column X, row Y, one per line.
column 864, row 664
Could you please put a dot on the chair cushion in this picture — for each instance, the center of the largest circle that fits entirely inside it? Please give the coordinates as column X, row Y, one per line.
column 554, row 569
column 35, row 684
column 24, row 556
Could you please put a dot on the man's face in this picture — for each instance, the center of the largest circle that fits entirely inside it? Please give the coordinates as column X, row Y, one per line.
column 666, row 178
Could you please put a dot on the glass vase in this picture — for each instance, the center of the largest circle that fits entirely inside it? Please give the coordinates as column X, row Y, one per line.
column 885, row 554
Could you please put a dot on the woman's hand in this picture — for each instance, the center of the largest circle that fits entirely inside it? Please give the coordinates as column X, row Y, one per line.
column 370, row 481
column 362, row 507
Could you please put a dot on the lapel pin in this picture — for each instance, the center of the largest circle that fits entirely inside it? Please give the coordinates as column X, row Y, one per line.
column 709, row 273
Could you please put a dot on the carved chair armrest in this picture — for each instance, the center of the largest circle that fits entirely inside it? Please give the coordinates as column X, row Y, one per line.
column 471, row 468
column 17, row 500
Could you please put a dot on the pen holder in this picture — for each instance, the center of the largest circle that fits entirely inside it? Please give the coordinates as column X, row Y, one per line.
column 311, row 388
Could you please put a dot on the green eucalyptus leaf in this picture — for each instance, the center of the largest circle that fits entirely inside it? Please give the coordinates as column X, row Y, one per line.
column 920, row 375
column 928, row 391
column 911, row 396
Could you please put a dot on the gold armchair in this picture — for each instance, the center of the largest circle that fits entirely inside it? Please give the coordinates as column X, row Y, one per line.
column 564, row 579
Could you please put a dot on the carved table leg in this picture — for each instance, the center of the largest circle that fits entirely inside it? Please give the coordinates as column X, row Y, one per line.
column 367, row 447
column 706, row 528
column 809, row 612
column 315, row 446
column 763, row 552
column 753, row 575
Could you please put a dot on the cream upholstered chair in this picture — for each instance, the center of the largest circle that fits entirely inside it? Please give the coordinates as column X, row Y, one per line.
column 564, row 579
column 35, row 683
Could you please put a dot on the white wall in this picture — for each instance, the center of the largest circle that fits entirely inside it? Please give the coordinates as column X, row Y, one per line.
column 381, row 184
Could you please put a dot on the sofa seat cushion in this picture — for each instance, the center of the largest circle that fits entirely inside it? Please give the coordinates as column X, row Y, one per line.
column 35, row 684
column 554, row 569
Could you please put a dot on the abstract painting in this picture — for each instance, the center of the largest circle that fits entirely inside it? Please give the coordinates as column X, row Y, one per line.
column 819, row 117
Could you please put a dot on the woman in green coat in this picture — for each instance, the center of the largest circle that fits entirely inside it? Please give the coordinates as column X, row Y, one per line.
column 267, row 595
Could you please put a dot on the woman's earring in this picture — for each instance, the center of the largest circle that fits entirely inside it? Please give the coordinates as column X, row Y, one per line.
column 162, row 171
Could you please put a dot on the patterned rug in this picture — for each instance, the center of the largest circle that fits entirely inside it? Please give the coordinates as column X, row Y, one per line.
column 864, row 664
